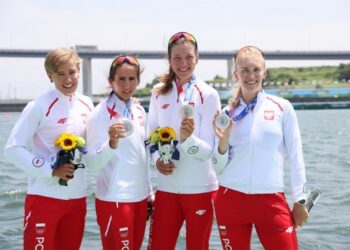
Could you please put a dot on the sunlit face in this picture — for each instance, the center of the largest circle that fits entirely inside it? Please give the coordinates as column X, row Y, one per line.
column 125, row 81
column 66, row 77
column 250, row 72
column 183, row 61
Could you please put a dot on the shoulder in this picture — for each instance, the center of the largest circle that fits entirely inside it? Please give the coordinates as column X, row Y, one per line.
column 97, row 111
column 157, row 87
column 280, row 102
column 45, row 100
column 85, row 100
column 139, row 108
column 206, row 88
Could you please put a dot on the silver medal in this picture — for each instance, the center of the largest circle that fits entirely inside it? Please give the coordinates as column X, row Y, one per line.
column 222, row 121
column 129, row 127
column 186, row 111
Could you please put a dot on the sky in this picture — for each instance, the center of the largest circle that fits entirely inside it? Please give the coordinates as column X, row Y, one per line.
column 220, row 25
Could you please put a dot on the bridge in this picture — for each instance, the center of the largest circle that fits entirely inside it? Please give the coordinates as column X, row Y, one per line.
column 87, row 53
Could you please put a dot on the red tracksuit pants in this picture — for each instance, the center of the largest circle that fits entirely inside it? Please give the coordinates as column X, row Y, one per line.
column 237, row 212
column 53, row 224
column 122, row 224
column 170, row 210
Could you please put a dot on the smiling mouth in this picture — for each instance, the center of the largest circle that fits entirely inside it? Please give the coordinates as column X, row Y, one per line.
column 183, row 70
column 68, row 86
column 251, row 83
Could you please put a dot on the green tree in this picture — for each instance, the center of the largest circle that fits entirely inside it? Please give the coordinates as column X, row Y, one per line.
column 343, row 71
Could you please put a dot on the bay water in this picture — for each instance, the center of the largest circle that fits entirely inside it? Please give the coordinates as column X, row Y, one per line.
column 326, row 147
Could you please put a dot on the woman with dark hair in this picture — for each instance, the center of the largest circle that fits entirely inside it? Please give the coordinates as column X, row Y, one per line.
column 185, row 186
column 115, row 138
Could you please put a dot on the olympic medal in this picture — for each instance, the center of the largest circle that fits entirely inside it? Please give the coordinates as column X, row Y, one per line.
column 222, row 121
column 128, row 126
column 186, row 111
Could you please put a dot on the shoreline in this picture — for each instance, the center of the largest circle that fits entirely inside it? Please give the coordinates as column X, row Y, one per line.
column 298, row 103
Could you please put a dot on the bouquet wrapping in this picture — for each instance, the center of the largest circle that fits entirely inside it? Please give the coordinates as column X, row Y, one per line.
column 72, row 149
column 164, row 140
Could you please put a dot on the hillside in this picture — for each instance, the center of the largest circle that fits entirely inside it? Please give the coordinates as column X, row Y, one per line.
column 290, row 78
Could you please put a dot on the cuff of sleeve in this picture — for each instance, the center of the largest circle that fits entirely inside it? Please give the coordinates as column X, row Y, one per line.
column 106, row 149
column 299, row 194
column 219, row 160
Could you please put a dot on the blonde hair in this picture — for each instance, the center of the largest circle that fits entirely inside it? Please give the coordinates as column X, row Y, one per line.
column 55, row 58
column 233, row 102
column 247, row 50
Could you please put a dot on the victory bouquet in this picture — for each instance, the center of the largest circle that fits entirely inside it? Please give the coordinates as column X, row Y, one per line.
column 72, row 149
column 164, row 140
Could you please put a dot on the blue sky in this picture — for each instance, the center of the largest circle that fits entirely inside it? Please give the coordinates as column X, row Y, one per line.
column 147, row 25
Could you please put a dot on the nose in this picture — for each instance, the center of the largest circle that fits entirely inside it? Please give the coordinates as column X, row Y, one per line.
column 127, row 85
column 251, row 75
column 182, row 62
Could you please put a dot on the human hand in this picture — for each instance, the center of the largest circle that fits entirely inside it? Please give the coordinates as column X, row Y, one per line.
column 186, row 128
column 163, row 168
column 64, row 172
column 116, row 131
column 300, row 215
column 222, row 134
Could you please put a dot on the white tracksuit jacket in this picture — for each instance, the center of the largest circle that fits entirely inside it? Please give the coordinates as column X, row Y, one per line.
column 31, row 143
column 193, row 172
column 258, row 143
column 124, row 171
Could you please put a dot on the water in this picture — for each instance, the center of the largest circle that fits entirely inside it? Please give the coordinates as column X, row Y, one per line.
column 326, row 146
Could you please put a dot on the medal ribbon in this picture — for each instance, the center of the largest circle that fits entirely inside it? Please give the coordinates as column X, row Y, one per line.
column 189, row 90
column 115, row 114
column 244, row 112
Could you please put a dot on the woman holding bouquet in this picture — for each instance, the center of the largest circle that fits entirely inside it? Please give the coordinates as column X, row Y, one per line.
column 116, row 137
column 54, row 214
column 249, row 163
column 185, row 186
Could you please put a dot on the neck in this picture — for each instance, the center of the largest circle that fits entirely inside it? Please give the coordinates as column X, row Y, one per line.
column 248, row 97
column 183, row 81
column 120, row 98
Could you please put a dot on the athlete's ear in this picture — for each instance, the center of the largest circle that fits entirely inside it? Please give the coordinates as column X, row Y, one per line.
column 49, row 74
column 110, row 81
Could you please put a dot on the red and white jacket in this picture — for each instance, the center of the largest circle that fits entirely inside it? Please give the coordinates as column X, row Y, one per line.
column 124, row 174
column 254, row 163
column 31, row 143
column 193, row 172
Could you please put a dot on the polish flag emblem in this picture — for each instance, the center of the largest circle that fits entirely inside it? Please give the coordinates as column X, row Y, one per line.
column 141, row 121
column 40, row 228
column 269, row 115
column 222, row 230
column 123, row 232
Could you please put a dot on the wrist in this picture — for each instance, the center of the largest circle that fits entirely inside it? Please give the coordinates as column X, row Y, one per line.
column 222, row 148
column 113, row 143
